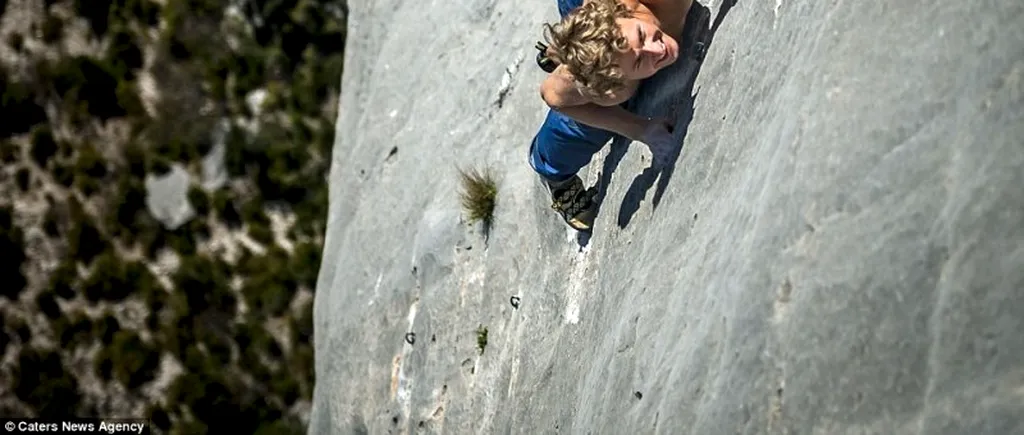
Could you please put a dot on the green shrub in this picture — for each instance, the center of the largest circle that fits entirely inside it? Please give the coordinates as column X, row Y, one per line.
column 23, row 178
column 301, row 367
column 51, row 221
column 200, row 201
column 182, row 240
column 87, row 83
column 96, row 13
column 159, row 417
column 135, row 159
column 226, row 210
column 42, row 382
column 15, row 40
column 47, row 305
column 125, row 55
column 10, row 152
column 63, row 279
column 126, row 206
column 63, row 174
column 52, row 29
column 128, row 98
column 305, row 263
column 5, row 340
column 269, row 283
column 481, row 338
column 78, row 330
column 44, row 146
column 106, row 327
column 302, row 325
column 12, row 256
column 18, row 107
column 85, row 241
column 135, row 362
column 112, row 279
column 205, row 281
column 104, row 365
column 479, row 195
column 261, row 233
column 90, row 169
column 90, row 162
column 285, row 426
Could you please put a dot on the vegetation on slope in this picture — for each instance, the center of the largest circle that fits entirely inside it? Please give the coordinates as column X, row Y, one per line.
column 100, row 323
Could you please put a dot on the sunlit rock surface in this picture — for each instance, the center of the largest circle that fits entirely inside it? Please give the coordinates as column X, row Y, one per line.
column 837, row 248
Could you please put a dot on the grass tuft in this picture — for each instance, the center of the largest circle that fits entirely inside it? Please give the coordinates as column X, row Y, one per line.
column 481, row 338
column 479, row 195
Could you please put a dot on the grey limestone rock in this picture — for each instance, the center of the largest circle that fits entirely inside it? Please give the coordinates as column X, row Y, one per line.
column 836, row 247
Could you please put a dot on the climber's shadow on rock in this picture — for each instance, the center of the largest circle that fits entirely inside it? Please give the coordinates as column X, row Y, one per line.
column 667, row 93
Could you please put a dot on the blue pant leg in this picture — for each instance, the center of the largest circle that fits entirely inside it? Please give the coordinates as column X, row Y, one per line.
column 566, row 6
column 563, row 146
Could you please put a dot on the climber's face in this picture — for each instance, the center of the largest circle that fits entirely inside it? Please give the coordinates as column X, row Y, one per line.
column 649, row 49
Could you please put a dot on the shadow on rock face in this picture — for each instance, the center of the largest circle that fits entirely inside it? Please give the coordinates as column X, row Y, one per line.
column 678, row 103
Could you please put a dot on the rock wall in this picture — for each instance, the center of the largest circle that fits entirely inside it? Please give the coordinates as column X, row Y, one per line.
column 837, row 247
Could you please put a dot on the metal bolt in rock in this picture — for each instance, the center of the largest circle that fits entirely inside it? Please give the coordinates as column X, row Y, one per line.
column 514, row 301
column 410, row 337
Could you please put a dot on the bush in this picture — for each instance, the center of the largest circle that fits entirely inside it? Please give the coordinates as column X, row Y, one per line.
column 4, row 341
column 479, row 195
column 284, row 426
column 53, row 29
column 96, row 12
column 200, row 201
column 135, row 159
column 78, row 330
column 18, row 107
column 135, row 363
column 85, row 241
column 113, row 280
column 301, row 367
column 90, row 163
column 10, row 152
column 261, row 233
column 270, row 283
column 44, row 146
column 159, row 417
column 305, row 263
column 106, row 327
column 19, row 327
column 302, row 325
column 12, row 256
column 90, row 169
column 63, row 279
column 104, row 365
column 43, row 383
column 51, row 221
column 63, row 174
column 125, row 54
column 205, row 283
column 144, row 11
column 127, row 208
column 226, row 210
column 47, row 304
column 82, row 80
column 15, row 40
column 23, row 178
column 182, row 240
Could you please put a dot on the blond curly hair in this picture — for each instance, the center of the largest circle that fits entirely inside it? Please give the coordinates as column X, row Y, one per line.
column 586, row 42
